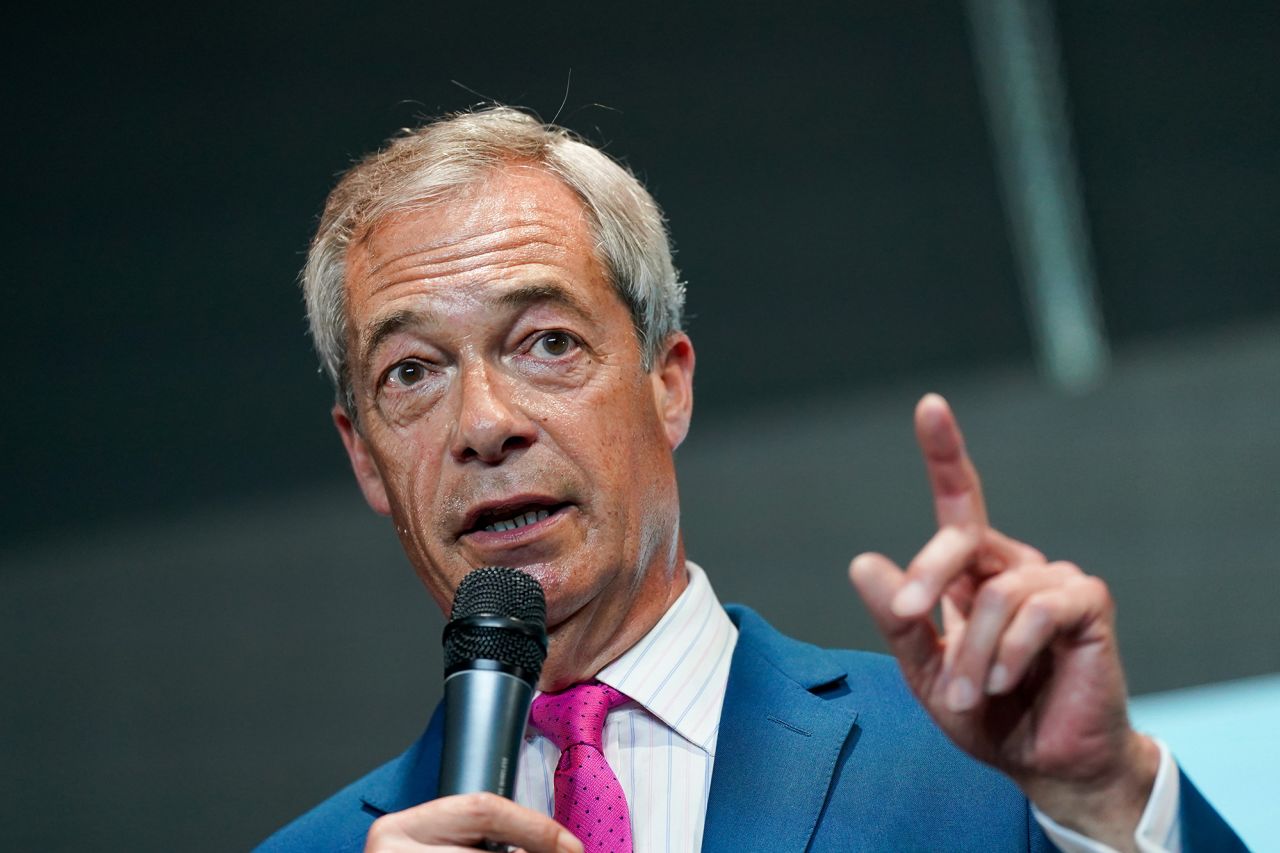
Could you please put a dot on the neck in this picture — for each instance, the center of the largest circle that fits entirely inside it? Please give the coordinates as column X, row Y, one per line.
column 599, row 633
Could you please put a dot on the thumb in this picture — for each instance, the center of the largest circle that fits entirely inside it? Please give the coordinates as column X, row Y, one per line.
column 913, row 641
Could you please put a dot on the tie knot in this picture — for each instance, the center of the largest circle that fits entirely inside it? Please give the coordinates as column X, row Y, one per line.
column 576, row 715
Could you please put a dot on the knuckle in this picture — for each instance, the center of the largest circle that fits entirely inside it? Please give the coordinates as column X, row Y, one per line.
column 479, row 806
column 1015, row 648
column 549, row 835
column 1039, row 609
column 998, row 594
column 1097, row 591
column 1033, row 554
column 383, row 829
column 961, row 535
column 1093, row 585
column 1068, row 568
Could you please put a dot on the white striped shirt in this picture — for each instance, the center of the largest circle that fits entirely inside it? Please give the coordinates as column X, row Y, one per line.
column 662, row 744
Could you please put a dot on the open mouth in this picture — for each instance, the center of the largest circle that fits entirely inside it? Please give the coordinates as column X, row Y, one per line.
column 513, row 517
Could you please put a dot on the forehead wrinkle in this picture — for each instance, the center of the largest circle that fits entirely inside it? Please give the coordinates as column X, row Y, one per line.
column 464, row 263
column 519, row 235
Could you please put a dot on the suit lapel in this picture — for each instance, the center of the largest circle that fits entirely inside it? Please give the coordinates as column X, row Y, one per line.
column 779, row 742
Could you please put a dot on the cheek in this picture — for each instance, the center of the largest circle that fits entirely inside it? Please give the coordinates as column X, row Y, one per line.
column 410, row 466
column 612, row 431
column 622, row 440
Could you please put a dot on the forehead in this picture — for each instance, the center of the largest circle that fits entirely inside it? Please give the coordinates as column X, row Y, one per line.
column 517, row 214
column 476, row 261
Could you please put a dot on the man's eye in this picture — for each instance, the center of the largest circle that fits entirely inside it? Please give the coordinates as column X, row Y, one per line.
column 554, row 344
column 407, row 373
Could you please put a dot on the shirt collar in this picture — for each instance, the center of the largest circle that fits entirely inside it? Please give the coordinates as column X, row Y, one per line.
column 678, row 671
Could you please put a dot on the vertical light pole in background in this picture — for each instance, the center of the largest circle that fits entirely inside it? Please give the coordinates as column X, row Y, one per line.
column 1018, row 63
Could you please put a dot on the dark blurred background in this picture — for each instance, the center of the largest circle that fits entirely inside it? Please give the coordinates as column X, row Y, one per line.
column 204, row 630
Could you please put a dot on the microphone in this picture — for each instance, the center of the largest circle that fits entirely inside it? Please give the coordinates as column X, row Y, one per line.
column 494, row 646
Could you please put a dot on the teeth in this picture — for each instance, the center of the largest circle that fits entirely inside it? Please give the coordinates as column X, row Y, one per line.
column 518, row 521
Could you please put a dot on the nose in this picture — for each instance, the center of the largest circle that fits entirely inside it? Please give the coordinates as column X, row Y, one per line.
column 491, row 425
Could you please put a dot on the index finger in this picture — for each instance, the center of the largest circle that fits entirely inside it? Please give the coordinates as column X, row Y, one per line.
column 467, row 820
column 957, row 491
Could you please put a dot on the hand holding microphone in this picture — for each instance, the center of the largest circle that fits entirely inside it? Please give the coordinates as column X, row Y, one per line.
column 494, row 646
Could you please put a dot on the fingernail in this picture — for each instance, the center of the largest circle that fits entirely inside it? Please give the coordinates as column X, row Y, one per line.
column 567, row 843
column 998, row 680
column 911, row 600
column 960, row 695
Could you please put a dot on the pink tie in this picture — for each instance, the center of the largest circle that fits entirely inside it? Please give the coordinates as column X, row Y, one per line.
column 589, row 799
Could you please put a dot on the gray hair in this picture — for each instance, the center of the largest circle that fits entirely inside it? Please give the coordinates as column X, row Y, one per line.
column 425, row 166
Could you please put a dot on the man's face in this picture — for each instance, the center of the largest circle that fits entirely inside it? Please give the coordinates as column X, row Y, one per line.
column 506, row 417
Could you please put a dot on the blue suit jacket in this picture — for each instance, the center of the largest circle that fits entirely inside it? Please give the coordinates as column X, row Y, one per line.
column 818, row 750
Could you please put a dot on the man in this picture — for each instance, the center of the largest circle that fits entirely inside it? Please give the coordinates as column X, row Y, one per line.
column 496, row 305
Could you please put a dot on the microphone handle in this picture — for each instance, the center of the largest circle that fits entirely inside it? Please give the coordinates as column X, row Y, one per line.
column 485, row 715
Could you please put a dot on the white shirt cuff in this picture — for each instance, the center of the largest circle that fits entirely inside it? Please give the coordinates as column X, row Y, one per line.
column 1159, row 830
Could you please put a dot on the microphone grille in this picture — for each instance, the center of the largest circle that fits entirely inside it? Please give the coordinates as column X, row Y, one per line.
column 497, row 591
column 501, row 592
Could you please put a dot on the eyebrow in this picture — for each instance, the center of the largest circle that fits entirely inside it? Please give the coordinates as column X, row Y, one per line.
column 515, row 301
column 545, row 291
column 391, row 325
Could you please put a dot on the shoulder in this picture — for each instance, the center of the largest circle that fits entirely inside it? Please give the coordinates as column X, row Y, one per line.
column 340, row 823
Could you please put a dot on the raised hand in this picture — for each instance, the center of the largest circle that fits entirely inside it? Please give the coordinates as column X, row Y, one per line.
column 1024, row 674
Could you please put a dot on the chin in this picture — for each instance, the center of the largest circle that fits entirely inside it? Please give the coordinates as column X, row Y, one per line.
column 568, row 591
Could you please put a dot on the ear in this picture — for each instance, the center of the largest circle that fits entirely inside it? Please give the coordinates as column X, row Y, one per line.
column 362, row 462
column 672, row 377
